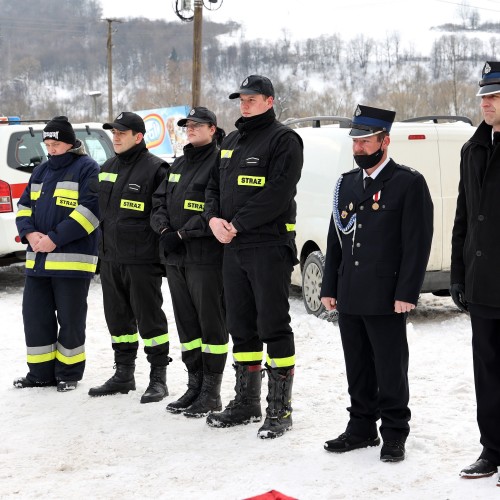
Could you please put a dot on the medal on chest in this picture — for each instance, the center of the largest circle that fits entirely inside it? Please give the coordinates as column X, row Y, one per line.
column 376, row 198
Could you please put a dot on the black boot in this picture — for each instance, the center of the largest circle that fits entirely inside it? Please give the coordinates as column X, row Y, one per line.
column 120, row 383
column 245, row 407
column 195, row 380
column 157, row 388
column 209, row 398
column 279, row 398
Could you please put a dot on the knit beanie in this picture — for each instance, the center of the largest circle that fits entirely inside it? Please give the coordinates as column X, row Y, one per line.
column 59, row 129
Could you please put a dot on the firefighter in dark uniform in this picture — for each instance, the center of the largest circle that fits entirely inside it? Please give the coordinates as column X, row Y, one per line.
column 131, row 271
column 379, row 243
column 58, row 215
column 193, row 260
column 250, row 207
column 475, row 275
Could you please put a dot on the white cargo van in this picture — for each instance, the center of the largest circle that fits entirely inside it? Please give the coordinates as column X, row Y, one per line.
column 431, row 145
column 21, row 150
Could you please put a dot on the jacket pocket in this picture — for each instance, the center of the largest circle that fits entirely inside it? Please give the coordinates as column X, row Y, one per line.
column 136, row 241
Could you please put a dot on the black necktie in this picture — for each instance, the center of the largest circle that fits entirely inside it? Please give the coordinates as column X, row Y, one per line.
column 367, row 181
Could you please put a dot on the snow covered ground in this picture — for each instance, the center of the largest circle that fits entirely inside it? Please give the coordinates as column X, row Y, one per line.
column 68, row 445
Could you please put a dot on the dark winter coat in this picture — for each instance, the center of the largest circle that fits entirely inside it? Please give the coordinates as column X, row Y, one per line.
column 60, row 201
column 385, row 258
column 476, row 235
column 178, row 206
column 126, row 186
column 255, row 184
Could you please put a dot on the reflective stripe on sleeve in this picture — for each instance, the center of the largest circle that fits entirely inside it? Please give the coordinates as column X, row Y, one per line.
column 23, row 211
column 226, row 153
column 174, row 177
column 85, row 218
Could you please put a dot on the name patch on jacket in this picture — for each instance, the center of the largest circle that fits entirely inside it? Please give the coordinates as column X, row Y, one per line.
column 194, row 205
column 132, row 205
column 65, row 202
column 251, row 180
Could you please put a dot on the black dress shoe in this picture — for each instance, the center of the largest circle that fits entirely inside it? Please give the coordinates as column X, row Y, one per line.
column 393, row 451
column 481, row 468
column 347, row 442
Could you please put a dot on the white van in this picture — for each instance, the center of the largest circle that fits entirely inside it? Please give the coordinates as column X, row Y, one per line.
column 21, row 150
column 430, row 144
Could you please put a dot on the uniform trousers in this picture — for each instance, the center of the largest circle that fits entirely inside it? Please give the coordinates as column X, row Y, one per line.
column 376, row 358
column 486, row 359
column 256, row 290
column 197, row 299
column 55, row 353
column 133, row 302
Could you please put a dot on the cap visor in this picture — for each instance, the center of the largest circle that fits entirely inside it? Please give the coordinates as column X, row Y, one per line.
column 356, row 132
column 117, row 126
column 183, row 121
column 489, row 89
column 235, row 95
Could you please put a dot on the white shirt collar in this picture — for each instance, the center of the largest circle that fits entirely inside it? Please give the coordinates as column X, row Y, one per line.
column 376, row 172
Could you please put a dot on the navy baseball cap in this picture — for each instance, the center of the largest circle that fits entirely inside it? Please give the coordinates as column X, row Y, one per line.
column 200, row 115
column 369, row 121
column 127, row 120
column 490, row 83
column 254, row 84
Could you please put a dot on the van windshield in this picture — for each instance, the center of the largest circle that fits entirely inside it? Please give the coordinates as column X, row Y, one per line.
column 27, row 150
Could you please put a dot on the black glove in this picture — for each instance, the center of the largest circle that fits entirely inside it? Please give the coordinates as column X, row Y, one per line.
column 169, row 240
column 457, row 292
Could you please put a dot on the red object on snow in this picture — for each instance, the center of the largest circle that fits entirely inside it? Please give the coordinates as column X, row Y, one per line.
column 271, row 495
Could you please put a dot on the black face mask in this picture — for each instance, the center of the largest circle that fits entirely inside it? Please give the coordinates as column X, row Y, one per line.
column 368, row 161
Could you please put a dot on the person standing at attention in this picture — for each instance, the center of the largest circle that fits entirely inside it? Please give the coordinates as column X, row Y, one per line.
column 475, row 275
column 193, row 259
column 250, row 207
column 58, row 217
column 131, row 271
column 378, row 247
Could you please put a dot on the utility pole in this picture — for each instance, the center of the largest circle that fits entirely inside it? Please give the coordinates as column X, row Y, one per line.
column 110, row 66
column 197, row 38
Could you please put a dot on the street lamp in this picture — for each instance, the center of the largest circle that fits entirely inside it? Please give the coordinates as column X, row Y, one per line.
column 95, row 94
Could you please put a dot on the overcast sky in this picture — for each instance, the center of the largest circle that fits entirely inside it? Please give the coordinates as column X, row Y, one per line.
column 303, row 19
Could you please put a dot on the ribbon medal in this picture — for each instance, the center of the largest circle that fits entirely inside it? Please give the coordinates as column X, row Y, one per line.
column 376, row 198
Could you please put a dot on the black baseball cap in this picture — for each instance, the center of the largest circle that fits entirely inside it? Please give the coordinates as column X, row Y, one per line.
column 127, row 120
column 200, row 115
column 254, row 84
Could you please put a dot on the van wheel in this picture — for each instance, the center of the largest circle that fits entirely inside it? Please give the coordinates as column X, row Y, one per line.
column 312, row 277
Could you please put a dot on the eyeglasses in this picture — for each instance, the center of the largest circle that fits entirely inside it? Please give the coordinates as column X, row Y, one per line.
column 194, row 125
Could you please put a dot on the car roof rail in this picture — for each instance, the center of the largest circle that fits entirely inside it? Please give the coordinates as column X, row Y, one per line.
column 16, row 122
column 316, row 121
column 436, row 118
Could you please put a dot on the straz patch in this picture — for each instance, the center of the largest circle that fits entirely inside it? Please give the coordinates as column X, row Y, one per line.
column 251, row 180
column 132, row 205
column 198, row 206
column 66, row 202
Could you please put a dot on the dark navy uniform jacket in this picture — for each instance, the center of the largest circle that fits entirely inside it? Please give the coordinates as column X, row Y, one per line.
column 384, row 259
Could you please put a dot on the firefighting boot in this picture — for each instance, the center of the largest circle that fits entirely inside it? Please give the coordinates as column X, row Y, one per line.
column 120, row 383
column 157, row 388
column 245, row 407
column 279, row 398
column 209, row 398
column 195, row 380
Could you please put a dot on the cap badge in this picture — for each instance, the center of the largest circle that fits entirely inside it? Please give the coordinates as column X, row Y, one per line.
column 358, row 111
column 192, row 112
column 120, row 116
column 245, row 82
column 487, row 68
